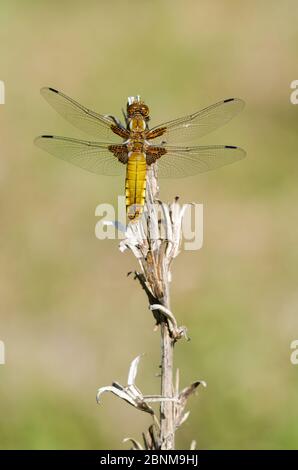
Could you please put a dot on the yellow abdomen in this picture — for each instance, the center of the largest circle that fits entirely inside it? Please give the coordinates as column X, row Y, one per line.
column 135, row 184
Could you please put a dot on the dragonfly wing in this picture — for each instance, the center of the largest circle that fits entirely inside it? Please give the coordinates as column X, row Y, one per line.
column 178, row 162
column 81, row 117
column 92, row 156
column 198, row 124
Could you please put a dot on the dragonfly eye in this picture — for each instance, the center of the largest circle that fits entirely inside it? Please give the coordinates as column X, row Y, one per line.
column 145, row 110
column 137, row 108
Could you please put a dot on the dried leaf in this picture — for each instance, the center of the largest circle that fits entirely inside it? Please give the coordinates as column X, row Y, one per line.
column 136, row 445
column 193, row 445
column 183, row 418
column 186, row 392
column 117, row 392
column 133, row 370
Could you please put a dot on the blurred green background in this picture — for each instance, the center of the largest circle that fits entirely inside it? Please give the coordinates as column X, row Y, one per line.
column 70, row 318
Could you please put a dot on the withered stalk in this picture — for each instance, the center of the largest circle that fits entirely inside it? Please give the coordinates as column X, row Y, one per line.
column 155, row 241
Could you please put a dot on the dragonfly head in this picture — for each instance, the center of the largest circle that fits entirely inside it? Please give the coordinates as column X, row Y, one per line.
column 135, row 106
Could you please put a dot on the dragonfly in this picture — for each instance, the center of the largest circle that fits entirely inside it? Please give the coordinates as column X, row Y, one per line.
column 134, row 147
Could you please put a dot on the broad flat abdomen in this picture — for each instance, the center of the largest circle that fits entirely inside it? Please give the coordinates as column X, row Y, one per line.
column 135, row 184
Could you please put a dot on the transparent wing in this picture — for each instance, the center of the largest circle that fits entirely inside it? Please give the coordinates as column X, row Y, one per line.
column 91, row 156
column 179, row 162
column 83, row 118
column 198, row 124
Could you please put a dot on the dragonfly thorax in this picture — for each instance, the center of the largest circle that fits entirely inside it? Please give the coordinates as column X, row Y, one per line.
column 137, row 124
column 137, row 116
column 137, row 145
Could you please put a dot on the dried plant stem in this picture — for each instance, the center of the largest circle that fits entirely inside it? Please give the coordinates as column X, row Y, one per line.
column 160, row 287
column 167, row 424
column 155, row 241
column 167, row 415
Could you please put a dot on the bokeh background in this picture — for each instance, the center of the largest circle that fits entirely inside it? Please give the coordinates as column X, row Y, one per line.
column 70, row 318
